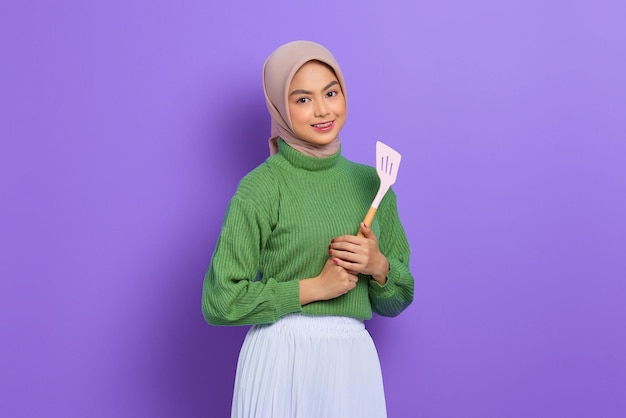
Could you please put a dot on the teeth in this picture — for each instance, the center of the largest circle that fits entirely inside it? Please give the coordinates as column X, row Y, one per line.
column 323, row 125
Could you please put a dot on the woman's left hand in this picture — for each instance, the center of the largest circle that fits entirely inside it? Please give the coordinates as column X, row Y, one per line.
column 360, row 254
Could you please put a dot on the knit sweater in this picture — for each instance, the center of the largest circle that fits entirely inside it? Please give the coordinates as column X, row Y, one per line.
column 276, row 232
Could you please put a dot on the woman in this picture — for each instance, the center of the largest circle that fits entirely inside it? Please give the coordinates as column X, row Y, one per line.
column 289, row 263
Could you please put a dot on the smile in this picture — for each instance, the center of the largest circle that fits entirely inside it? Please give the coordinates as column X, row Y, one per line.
column 323, row 126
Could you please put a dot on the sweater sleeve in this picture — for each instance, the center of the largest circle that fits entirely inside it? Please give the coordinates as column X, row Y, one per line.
column 230, row 294
column 397, row 293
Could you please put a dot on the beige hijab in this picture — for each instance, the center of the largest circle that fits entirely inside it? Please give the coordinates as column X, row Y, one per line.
column 278, row 71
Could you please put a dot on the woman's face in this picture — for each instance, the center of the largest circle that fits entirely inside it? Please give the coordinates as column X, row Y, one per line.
column 317, row 105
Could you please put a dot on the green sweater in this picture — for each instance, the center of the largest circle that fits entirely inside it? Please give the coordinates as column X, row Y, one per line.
column 277, row 229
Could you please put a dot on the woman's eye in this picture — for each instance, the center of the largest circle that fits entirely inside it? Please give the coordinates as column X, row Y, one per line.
column 331, row 94
column 302, row 100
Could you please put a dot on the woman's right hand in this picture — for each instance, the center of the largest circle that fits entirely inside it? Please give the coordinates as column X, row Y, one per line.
column 333, row 281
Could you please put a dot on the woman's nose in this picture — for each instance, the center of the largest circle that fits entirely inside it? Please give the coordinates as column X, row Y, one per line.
column 321, row 108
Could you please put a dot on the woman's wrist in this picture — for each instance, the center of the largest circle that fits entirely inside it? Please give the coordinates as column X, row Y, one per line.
column 381, row 275
column 308, row 291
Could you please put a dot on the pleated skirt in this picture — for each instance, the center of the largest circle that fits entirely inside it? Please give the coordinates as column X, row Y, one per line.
column 309, row 367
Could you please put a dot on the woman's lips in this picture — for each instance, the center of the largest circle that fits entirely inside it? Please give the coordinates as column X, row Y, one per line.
column 323, row 127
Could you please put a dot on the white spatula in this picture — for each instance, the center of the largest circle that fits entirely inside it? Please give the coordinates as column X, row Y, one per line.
column 387, row 164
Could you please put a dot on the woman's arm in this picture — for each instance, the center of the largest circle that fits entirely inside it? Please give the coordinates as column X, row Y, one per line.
column 230, row 293
column 232, row 296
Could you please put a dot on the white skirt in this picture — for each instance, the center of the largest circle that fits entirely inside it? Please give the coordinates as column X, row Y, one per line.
column 309, row 367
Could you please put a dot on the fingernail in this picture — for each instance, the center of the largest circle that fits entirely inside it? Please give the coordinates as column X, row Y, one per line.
column 335, row 261
column 332, row 240
column 330, row 251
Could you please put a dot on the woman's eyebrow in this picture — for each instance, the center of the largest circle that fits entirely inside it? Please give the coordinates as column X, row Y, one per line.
column 300, row 91
column 332, row 83
column 293, row 93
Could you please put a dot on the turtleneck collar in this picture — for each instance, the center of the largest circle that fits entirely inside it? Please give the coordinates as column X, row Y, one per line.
column 299, row 160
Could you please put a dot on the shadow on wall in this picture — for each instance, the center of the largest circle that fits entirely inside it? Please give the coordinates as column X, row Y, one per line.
column 239, row 145
column 197, row 360
column 238, row 139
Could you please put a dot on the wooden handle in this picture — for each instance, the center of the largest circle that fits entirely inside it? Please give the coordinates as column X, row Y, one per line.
column 369, row 217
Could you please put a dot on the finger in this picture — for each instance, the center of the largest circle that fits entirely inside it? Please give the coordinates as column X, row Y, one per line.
column 348, row 256
column 348, row 246
column 346, row 239
column 347, row 265
column 367, row 231
column 341, row 238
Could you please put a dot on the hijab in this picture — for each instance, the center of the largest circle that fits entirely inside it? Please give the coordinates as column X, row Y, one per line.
column 278, row 71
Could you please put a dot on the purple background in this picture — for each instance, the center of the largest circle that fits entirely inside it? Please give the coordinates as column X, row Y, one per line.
column 126, row 126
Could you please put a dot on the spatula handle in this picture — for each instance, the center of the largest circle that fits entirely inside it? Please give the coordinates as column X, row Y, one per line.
column 369, row 217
